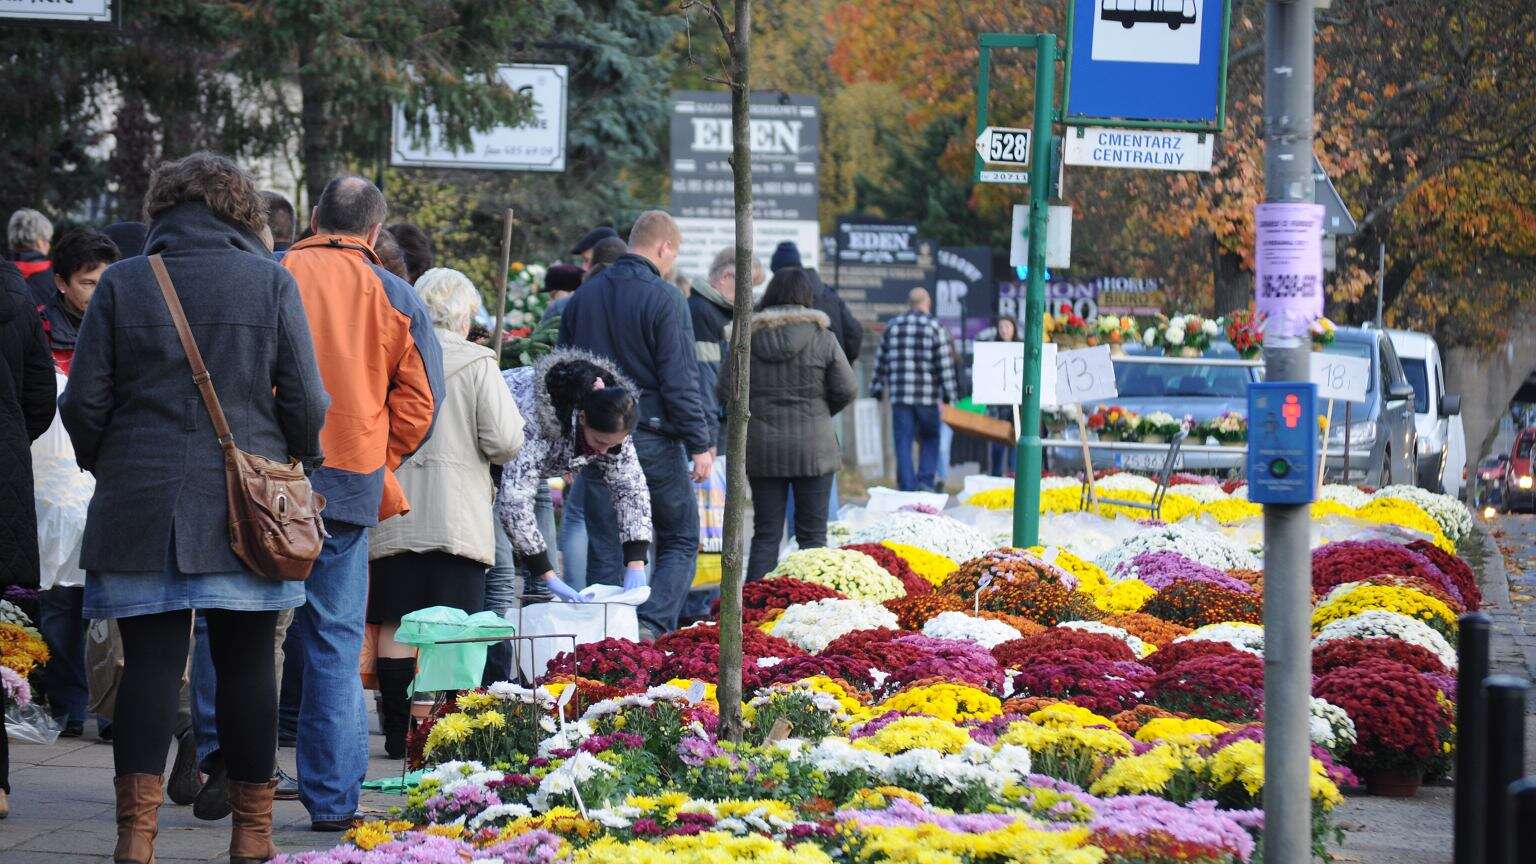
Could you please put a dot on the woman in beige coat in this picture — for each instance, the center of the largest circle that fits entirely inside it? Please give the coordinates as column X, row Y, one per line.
column 437, row 554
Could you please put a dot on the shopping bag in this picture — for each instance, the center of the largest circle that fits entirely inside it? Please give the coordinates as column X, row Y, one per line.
column 30, row 724
column 711, row 502
column 62, row 493
column 454, row 665
column 548, row 626
column 104, row 665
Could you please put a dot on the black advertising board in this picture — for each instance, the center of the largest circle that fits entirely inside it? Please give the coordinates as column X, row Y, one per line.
column 964, row 293
column 878, row 262
column 786, row 155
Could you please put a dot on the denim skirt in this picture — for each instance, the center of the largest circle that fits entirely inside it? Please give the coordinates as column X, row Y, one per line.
column 117, row 594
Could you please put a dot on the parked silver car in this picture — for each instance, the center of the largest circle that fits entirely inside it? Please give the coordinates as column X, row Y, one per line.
column 1383, row 440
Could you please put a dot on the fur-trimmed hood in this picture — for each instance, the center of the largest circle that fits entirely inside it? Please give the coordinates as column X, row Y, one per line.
column 780, row 333
column 533, row 396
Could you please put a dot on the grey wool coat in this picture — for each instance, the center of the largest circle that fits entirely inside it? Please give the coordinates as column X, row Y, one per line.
column 134, row 415
column 799, row 381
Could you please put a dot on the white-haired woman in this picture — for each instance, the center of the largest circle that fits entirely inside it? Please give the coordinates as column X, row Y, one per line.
column 437, row 554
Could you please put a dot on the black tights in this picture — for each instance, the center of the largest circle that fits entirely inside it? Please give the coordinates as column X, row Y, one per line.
column 245, row 703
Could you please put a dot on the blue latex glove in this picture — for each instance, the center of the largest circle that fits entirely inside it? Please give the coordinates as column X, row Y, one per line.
column 634, row 577
column 565, row 592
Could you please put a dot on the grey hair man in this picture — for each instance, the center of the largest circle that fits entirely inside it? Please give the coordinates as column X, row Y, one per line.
column 31, row 237
column 711, row 308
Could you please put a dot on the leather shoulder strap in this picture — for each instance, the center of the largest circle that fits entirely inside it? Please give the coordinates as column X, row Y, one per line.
column 200, row 376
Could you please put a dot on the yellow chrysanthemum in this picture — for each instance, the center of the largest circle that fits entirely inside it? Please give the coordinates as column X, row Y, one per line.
column 1387, row 598
column 1242, row 762
column 450, row 729
column 1400, row 511
column 1150, row 773
column 1127, row 595
column 911, row 733
column 1017, row 843
column 953, row 702
column 1231, row 510
column 1178, row 730
column 929, row 565
column 993, row 499
column 1067, row 714
column 708, row 848
column 476, row 701
column 1091, row 578
column 375, row 833
column 1324, row 508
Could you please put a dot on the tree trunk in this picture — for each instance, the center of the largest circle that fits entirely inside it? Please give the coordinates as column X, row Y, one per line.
column 1234, row 285
column 318, row 149
column 733, row 557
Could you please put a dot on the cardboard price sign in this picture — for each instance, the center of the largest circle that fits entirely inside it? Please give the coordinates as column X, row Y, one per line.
column 1085, row 375
column 997, row 374
column 1341, row 377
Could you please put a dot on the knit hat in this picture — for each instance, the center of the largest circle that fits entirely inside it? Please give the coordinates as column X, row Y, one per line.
column 129, row 237
column 591, row 237
column 562, row 277
column 786, row 254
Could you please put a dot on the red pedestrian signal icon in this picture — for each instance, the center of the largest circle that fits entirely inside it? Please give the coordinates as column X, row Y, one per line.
column 1291, row 411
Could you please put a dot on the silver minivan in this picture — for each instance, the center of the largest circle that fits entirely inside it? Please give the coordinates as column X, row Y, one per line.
column 1383, row 440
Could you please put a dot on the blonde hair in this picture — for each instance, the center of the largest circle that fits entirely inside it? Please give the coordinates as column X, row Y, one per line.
column 449, row 296
column 653, row 228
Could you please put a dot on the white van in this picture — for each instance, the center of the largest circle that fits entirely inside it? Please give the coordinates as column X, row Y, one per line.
column 1437, row 414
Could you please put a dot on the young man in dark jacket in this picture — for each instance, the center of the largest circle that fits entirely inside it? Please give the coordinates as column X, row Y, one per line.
column 631, row 315
column 847, row 329
column 78, row 260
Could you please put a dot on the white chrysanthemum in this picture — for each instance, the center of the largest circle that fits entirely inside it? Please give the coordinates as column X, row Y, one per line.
column 1141, row 648
column 1240, row 635
column 1330, row 726
column 1349, row 496
column 958, row 625
column 1454, row 519
column 939, row 534
column 1192, row 541
column 1127, row 481
column 1393, row 625
column 1204, row 493
column 814, row 625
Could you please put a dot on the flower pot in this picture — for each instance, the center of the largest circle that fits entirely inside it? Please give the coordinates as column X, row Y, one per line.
column 1393, row 783
column 1116, row 350
column 1107, row 435
column 1154, row 438
column 1242, row 444
column 1318, row 348
column 1187, row 351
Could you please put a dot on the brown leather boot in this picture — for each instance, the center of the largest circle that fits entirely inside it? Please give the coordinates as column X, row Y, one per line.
column 250, row 837
column 139, row 797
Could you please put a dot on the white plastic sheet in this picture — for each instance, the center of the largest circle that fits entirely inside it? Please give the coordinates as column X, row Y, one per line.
column 610, row 614
column 884, row 500
column 62, row 493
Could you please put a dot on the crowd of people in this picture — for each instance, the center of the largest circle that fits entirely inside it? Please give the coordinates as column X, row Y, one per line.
column 337, row 344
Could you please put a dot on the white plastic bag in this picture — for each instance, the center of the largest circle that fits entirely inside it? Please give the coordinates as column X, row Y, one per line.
column 62, row 493
column 981, row 483
column 611, row 614
column 883, row 500
column 30, row 724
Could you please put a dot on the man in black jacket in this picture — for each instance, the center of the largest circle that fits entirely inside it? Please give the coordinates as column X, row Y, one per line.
column 629, row 314
column 711, row 306
column 847, row 329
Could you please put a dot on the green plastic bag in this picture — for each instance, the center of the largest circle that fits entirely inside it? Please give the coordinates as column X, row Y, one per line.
column 457, row 665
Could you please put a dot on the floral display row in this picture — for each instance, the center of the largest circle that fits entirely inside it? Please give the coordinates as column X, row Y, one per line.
column 920, row 695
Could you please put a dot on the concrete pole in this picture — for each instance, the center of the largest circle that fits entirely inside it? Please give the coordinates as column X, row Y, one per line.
column 1287, row 528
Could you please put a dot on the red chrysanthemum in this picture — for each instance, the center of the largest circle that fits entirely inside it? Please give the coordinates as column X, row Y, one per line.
column 1058, row 643
column 1223, row 688
column 1455, row 568
column 1343, row 653
column 1398, row 722
column 1166, row 658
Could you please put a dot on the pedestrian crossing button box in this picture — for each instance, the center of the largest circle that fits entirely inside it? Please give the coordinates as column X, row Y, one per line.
column 1282, row 442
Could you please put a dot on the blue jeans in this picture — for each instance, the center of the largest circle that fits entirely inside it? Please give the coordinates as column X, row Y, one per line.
column 573, row 534
column 204, row 683
column 675, row 517
column 1000, row 457
column 919, row 423
column 63, row 628
column 328, row 633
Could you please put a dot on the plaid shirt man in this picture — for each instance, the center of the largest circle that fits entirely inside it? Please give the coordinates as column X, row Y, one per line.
column 915, row 365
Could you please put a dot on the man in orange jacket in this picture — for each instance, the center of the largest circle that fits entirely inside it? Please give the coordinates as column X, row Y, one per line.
column 383, row 369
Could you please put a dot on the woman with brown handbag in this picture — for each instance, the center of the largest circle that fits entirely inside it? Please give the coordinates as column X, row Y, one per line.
column 157, row 541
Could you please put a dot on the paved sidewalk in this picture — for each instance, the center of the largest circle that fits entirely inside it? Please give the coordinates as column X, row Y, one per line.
column 62, row 810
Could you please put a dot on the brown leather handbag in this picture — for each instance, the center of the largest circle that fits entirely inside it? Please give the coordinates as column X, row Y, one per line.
column 274, row 515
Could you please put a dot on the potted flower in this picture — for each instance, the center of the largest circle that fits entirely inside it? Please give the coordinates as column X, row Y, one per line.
column 1113, row 423
column 1071, row 329
column 1114, row 332
column 1322, row 334
column 1402, row 729
column 1229, row 428
column 1182, row 335
column 1157, row 427
column 1243, row 332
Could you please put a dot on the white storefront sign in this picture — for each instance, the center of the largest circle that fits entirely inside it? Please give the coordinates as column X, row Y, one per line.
column 1098, row 147
column 704, row 238
column 75, row 11
column 537, row 144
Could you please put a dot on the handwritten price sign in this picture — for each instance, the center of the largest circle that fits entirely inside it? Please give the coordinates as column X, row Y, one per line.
column 997, row 374
column 1346, row 379
column 1085, row 375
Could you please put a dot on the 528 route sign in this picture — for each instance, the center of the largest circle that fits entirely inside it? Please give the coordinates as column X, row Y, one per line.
column 998, row 145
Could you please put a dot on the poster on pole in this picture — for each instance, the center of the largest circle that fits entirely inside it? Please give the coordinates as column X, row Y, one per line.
column 1288, row 266
column 1147, row 61
column 536, row 144
column 997, row 374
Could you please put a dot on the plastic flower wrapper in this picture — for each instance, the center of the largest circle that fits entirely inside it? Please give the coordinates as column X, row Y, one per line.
column 940, row 534
column 1392, row 625
column 1242, row 635
column 1352, row 599
column 852, row 574
column 813, row 625
column 1453, row 517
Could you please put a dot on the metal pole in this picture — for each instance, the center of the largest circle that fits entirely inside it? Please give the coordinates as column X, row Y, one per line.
column 499, row 315
column 1522, row 796
column 1026, row 503
column 1349, row 420
column 1287, row 544
column 1506, row 762
column 1471, row 749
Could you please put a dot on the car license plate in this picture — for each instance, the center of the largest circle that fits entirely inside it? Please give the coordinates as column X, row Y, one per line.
column 1144, row 461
